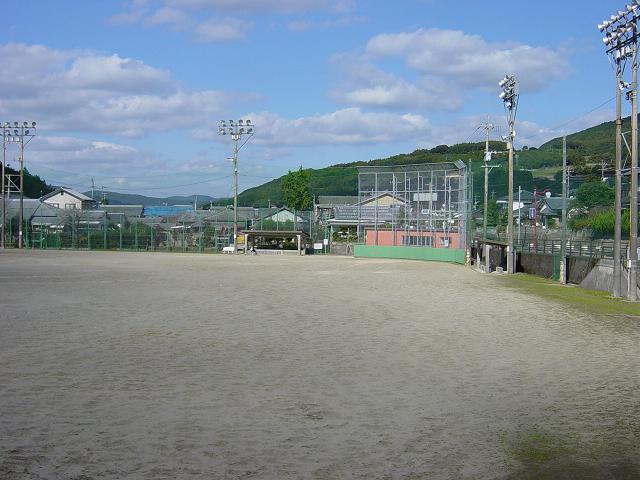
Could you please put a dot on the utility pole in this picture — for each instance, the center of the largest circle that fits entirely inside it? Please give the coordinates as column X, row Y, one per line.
column 633, row 198
column 621, row 41
column 235, row 194
column 519, row 217
column 4, row 197
column 617, row 234
column 510, row 97
column 21, row 226
column 535, row 219
column 236, row 130
column 563, row 238
column 487, row 158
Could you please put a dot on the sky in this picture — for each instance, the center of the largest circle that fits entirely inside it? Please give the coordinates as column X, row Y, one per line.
column 128, row 94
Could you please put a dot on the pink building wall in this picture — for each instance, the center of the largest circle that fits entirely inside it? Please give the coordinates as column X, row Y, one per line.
column 384, row 238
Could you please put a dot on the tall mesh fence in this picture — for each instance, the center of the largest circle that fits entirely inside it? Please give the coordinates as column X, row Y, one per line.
column 95, row 230
column 422, row 205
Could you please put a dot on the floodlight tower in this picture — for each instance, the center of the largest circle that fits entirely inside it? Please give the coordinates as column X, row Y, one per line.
column 22, row 134
column 510, row 96
column 621, row 41
column 236, row 130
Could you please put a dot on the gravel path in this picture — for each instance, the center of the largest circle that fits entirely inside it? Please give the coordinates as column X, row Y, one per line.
column 168, row 366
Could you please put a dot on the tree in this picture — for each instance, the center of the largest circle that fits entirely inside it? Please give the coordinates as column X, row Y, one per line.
column 595, row 194
column 296, row 191
column 440, row 149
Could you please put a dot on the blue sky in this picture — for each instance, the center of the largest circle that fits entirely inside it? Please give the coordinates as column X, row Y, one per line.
column 129, row 92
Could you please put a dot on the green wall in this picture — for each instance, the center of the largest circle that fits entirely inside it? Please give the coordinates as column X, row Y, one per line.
column 450, row 255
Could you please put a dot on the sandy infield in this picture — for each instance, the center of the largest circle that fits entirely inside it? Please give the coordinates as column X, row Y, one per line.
column 169, row 366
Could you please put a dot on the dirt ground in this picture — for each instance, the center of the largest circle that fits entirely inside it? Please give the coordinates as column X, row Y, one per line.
column 170, row 366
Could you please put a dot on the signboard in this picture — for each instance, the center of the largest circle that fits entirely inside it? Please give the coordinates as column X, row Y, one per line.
column 317, row 246
column 425, row 197
column 326, row 241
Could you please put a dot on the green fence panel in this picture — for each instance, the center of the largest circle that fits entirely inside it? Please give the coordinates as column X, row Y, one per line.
column 556, row 268
column 449, row 255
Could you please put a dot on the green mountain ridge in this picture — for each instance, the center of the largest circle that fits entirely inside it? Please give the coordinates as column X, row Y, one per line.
column 116, row 198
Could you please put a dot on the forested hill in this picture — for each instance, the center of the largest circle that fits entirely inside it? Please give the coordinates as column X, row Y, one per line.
column 535, row 167
column 34, row 186
column 342, row 179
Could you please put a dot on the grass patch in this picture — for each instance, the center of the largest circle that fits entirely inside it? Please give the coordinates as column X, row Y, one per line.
column 591, row 300
column 546, row 172
column 543, row 455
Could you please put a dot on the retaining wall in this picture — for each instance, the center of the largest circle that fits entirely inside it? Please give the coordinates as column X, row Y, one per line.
column 540, row 264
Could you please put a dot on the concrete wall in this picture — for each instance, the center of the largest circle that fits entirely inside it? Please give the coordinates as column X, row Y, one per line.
column 341, row 248
column 384, row 238
column 450, row 255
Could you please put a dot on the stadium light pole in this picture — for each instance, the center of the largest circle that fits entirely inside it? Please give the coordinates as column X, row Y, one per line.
column 236, row 130
column 621, row 41
column 22, row 134
column 510, row 96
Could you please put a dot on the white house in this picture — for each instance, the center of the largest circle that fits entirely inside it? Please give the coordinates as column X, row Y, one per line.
column 67, row 199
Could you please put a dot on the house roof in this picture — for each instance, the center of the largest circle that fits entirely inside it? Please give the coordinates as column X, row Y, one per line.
column 68, row 191
column 373, row 198
column 552, row 205
column 525, row 197
column 282, row 209
column 33, row 209
column 334, row 200
column 128, row 210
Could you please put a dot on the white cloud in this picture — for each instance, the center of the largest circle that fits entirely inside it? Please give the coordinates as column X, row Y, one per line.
column 302, row 25
column 226, row 29
column 366, row 85
column 209, row 20
column 469, row 60
column 274, row 6
column 81, row 155
column 80, row 91
column 172, row 17
column 346, row 126
column 113, row 74
column 449, row 65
